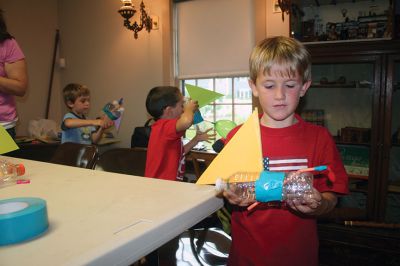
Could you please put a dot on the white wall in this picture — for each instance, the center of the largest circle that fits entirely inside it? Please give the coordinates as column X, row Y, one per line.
column 33, row 24
column 99, row 52
column 102, row 54
column 275, row 26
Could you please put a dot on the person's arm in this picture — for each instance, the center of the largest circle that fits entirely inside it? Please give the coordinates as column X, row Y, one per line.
column 98, row 134
column 16, row 80
column 186, row 119
column 200, row 136
column 76, row 122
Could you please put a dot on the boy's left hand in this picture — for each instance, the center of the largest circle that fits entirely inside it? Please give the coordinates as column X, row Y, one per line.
column 309, row 205
column 205, row 136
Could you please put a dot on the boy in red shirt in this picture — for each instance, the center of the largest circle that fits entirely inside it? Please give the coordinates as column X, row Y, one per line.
column 166, row 152
column 285, row 233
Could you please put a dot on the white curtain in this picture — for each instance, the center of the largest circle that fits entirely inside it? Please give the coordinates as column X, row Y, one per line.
column 213, row 37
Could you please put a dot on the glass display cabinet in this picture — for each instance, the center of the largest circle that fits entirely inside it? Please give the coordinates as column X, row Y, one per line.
column 355, row 95
column 344, row 20
column 391, row 168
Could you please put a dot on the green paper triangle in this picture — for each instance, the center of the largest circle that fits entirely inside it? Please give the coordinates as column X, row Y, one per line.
column 201, row 95
column 7, row 143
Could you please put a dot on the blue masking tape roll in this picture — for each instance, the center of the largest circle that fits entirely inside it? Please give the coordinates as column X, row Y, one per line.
column 22, row 219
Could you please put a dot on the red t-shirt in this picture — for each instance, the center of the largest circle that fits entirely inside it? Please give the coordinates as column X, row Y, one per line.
column 274, row 235
column 165, row 155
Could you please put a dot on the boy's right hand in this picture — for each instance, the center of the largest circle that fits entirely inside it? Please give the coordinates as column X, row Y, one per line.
column 236, row 200
column 191, row 105
column 104, row 122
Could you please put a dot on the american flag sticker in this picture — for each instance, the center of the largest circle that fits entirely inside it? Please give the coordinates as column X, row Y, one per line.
column 284, row 164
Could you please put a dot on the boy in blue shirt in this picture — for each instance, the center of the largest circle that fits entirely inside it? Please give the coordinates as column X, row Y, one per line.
column 75, row 127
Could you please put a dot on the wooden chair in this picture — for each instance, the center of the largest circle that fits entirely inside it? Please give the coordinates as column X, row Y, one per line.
column 201, row 160
column 75, row 154
column 131, row 161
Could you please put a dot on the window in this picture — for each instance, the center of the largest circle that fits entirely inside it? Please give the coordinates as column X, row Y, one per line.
column 235, row 105
column 202, row 59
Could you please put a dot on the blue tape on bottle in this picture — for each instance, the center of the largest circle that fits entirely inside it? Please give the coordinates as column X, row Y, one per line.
column 197, row 118
column 269, row 185
column 110, row 115
column 22, row 219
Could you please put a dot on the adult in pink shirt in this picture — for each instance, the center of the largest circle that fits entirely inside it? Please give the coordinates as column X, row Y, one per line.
column 13, row 77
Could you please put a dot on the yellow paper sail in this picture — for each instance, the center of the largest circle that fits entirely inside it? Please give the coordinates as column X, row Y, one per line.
column 242, row 154
column 201, row 95
column 7, row 144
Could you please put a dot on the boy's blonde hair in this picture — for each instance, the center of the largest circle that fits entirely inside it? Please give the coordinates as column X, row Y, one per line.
column 283, row 51
column 73, row 90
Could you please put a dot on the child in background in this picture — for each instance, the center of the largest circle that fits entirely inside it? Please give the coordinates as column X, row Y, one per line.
column 166, row 152
column 278, row 233
column 75, row 127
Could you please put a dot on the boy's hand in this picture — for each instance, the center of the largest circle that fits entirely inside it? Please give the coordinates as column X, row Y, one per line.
column 204, row 136
column 307, row 205
column 317, row 204
column 235, row 200
column 106, row 122
column 191, row 106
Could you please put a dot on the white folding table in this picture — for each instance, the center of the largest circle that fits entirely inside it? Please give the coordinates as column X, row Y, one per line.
column 102, row 218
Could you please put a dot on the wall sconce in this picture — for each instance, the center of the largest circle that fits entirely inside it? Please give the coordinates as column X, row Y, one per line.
column 127, row 11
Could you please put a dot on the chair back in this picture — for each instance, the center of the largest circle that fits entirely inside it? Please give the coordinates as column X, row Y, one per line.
column 75, row 154
column 130, row 161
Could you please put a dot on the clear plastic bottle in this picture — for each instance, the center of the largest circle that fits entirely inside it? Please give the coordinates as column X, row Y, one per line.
column 241, row 184
column 114, row 109
column 275, row 186
column 9, row 172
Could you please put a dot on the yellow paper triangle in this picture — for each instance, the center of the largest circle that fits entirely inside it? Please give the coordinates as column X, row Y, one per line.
column 7, row 144
column 241, row 154
column 201, row 95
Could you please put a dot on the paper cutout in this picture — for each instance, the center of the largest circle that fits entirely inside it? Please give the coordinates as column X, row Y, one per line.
column 241, row 154
column 201, row 95
column 7, row 143
column 223, row 127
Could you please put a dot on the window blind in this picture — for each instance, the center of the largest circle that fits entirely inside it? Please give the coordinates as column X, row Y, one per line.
column 213, row 37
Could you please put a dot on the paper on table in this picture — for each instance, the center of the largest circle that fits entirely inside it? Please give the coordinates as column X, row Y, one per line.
column 241, row 154
column 7, row 144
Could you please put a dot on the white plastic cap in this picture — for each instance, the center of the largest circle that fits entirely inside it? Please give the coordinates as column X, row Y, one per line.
column 220, row 185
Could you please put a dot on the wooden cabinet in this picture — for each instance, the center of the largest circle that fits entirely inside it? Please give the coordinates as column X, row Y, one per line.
column 355, row 94
column 360, row 246
column 332, row 20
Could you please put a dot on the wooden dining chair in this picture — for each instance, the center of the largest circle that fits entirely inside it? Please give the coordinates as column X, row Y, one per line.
column 201, row 160
column 131, row 161
column 75, row 154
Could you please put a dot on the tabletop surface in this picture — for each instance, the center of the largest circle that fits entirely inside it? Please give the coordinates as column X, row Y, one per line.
column 101, row 218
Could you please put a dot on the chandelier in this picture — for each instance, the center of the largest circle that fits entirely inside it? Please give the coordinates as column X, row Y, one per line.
column 127, row 11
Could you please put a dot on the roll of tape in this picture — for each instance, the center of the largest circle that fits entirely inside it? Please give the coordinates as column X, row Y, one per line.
column 22, row 219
